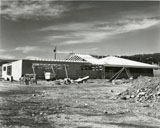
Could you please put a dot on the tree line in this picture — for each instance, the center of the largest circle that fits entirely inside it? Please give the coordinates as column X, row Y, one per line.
column 145, row 58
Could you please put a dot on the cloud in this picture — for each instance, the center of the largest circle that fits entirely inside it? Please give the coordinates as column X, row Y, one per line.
column 2, row 50
column 32, row 57
column 26, row 9
column 87, row 50
column 69, row 27
column 137, row 25
column 64, row 52
column 88, row 37
column 7, row 57
column 95, row 32
column 78, row 50
column 26, row 49
column 56, row 37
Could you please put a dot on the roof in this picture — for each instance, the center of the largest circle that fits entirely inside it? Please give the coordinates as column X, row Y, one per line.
column 110, row 61
column 85, row 58
column 55, row 60
column 119, row 62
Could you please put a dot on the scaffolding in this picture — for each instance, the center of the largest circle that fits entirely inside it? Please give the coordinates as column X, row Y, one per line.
column 117, row 74
column 52, row 66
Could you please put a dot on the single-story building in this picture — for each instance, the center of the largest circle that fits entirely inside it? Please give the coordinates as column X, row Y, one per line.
column 75, row 69
column 129, row 68
column 117, row 67
column 78, row 65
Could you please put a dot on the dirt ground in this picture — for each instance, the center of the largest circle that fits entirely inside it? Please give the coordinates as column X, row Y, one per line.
column 86, row 105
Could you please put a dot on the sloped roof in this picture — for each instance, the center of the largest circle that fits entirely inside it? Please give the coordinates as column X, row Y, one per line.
column 116, row 61
column 86, row 58
column 110, row 61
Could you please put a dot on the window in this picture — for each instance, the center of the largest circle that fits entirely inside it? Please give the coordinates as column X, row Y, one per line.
column 4, row 68
column 9, row 70
column 91, row 67
column 86, row 67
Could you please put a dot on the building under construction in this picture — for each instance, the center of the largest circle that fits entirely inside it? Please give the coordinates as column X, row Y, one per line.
column 78, row 65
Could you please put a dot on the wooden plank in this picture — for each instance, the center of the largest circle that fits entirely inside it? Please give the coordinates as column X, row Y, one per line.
column 66, row 70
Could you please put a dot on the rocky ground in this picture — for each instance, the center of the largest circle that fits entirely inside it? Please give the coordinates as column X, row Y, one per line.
column 95, row 104
column 144, row 89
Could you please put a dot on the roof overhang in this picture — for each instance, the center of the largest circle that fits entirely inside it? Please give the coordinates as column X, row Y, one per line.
column 132, row 66
column 111, row 61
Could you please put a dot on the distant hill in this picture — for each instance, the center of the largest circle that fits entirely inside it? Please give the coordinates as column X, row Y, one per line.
column 4, row 61
column 145, row 58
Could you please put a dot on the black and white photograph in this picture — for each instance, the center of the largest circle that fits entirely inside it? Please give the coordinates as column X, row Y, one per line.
column 79, row 64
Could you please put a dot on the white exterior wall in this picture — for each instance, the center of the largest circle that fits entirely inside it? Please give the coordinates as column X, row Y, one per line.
column 16, row 70
column 4, row 73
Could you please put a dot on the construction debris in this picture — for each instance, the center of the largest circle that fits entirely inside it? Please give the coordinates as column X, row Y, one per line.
column 59, row 82
column 49, row 76
column 81, row 80
column 28, row 79
column 144, row 89
column 121, row 81
column 70, row 81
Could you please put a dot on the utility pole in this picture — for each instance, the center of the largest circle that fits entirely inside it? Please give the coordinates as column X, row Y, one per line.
column 55, row 50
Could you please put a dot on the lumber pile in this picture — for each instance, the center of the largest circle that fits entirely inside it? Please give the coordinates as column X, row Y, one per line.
column 81, row 80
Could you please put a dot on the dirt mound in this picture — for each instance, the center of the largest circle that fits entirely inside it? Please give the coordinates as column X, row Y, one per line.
column 144, row 89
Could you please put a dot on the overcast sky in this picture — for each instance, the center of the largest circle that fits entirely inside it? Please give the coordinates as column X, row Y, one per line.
column 31, row 29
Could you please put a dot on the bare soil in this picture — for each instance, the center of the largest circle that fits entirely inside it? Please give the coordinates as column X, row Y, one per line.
column 88, row 105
